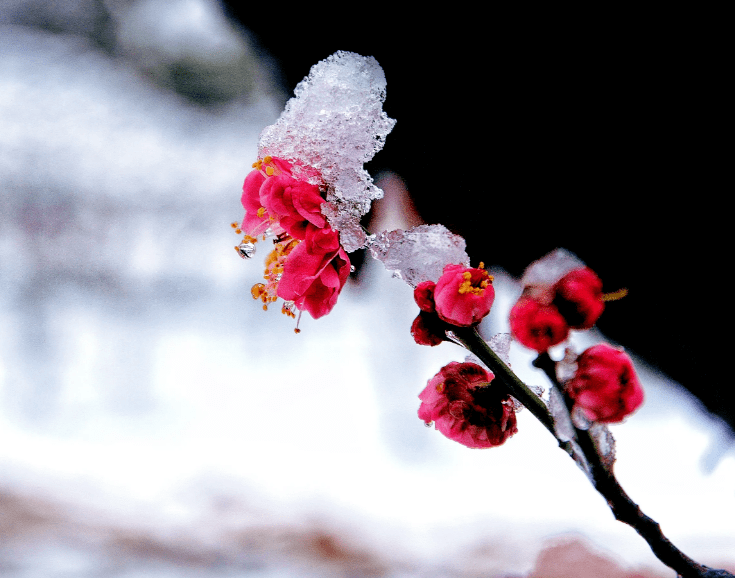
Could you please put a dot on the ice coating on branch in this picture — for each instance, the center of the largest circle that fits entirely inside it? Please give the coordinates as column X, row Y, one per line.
column 334, row 124
column 604, row 443
column 566, row 368
column 550, row 268
column 500, row 344
column 562, row 422
column 419, row 254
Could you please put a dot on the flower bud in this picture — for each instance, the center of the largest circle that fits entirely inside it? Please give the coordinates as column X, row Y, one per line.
column 427, row 329
column 579, row 298
column 424, row 296
column 537, row 326
column 605, row 385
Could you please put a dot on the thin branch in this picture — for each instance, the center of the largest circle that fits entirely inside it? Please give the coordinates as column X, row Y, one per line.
column 602, row 476
column 624, row 509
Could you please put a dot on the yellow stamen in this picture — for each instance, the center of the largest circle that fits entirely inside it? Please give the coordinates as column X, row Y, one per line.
column 615, row 295
column 260, row 213
column 257, row 290
column 467, row 287
column 269, row 171
column 440, row 387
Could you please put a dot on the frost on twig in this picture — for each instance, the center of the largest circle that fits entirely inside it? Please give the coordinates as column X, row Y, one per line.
column 500, row 344
column 564, row 431
column 419, row 254
column 334, row 124
column 604, row 444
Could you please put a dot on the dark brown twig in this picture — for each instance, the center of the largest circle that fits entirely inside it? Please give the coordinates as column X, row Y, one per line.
column 602, row 476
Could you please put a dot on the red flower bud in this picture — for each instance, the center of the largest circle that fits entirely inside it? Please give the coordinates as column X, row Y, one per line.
column 605, row 385
column 579, row 298
column 537, row 326
column 424, row 296
column 427, row 329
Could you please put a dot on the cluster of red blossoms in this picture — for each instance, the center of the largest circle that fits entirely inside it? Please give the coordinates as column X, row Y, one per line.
column 460, row 399
column 543, row 316
column 462, row 297
column 605, row 385
column 307, row 267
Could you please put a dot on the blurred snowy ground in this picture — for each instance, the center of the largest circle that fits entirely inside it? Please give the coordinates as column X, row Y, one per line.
column 154, row 421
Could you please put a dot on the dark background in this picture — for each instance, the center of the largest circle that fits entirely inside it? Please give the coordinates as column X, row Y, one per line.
column 602, row 133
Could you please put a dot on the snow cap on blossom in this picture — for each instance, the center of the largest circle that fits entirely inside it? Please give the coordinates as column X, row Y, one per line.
column 308, row 187
column 332, row 126
column 419, row 254
column 605, row 385
column 466, row 408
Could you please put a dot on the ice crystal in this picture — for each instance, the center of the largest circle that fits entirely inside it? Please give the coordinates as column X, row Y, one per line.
column 550, row 268
column 419, row 254
column 562, row 422
column 334, row 124
column 604, row 443
column 500, row 344
column 567, row 367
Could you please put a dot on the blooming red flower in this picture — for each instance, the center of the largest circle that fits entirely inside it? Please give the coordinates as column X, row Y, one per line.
column 605, row 385
column 255, row 221
column 315, row 272
column 466, row 408
column 578, row 297
column 308, row 266
column 295, row 204
column 272, row 198
column 537, row 326
column 463, row 295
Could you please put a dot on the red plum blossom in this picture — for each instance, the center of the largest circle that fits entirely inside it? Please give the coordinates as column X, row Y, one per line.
column 579, row 299
column 463, row 295
column 466, row 408
column 537, row 326
column 605, row 385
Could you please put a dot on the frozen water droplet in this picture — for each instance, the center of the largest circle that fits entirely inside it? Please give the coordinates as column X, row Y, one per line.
column 352, row 268
column 246, row 250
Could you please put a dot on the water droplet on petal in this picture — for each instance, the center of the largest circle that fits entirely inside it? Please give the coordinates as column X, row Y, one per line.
column 246, row 250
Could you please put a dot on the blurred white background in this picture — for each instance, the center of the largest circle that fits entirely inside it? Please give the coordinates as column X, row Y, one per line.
column 154, row 421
